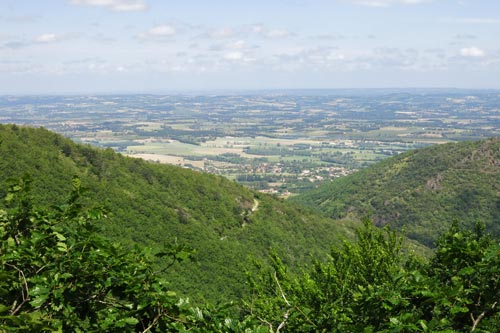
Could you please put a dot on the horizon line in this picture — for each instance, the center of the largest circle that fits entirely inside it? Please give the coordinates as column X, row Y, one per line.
column 242, row 91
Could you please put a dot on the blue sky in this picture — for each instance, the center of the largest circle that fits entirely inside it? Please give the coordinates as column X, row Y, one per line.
column 106, row 46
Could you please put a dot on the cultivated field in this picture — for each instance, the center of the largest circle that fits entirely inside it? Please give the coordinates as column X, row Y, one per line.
column 279, row 143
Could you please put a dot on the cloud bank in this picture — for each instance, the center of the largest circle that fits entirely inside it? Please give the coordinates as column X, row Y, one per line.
column 115, row 5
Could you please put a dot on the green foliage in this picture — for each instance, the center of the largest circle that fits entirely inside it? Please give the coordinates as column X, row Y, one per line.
column 59, row 274
column 347, row 293
column 63, row 270
column 466, row 266
column 372, row 286
column 421, row 191
column 155, row 206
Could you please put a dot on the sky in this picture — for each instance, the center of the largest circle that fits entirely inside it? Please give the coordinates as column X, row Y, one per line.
column 159, row 46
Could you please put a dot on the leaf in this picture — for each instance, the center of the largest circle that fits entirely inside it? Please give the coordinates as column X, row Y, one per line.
column 198, row 313
column 467, row 271
column 9, row 197
column 228, row 322
column 127, row 321
column 62, row 247
column 459, row 309
column 11, row 242
column 423, row 325
column 39, row 300
column 59, row 236
column 395, row 321
column 77, row 183
column 131, row 320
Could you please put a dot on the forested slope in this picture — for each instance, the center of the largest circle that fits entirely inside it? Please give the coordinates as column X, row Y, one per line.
column 62, row 270
column 160, row 205
column 422, row 191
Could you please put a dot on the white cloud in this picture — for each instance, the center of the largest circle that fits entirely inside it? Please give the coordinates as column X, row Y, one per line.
column 390, row 57
column 226, row 32
column 386, row 3
column 235, row 55
column 332, row 59
column 329, row 37
column 160, row 31
column 278, row 33
column 472, row 52
column 238, row 45
column 317, row 59
column 243, row 32
column 115, row 5
column 47, row 38
column 273, row 33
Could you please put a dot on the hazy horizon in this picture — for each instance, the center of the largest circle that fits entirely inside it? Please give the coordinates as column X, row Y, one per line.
column 275, row 91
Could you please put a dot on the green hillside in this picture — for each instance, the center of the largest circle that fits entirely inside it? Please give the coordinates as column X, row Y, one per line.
column 62, row 270
column 422, row 191
column 159, row 205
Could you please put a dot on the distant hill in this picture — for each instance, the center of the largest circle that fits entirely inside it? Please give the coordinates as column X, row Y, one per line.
column 154, row 205
column 421, row 191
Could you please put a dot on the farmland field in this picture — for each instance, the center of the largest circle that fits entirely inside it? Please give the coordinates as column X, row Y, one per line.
column 277, row 142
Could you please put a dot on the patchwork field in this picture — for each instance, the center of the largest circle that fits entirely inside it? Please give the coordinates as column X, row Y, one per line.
column 281, row 143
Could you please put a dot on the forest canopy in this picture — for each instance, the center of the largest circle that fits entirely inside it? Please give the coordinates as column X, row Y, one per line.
column 84, row 248
column 60, row 275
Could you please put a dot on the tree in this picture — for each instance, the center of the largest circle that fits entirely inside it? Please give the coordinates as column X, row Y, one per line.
column 59, row 275
column 466, row 267
column 352, row 292
column 373, row 285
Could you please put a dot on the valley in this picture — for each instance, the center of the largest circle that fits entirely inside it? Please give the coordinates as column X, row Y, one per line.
column 141, row 244
column 249, row 166
column 279, row 142
column 220, row 224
